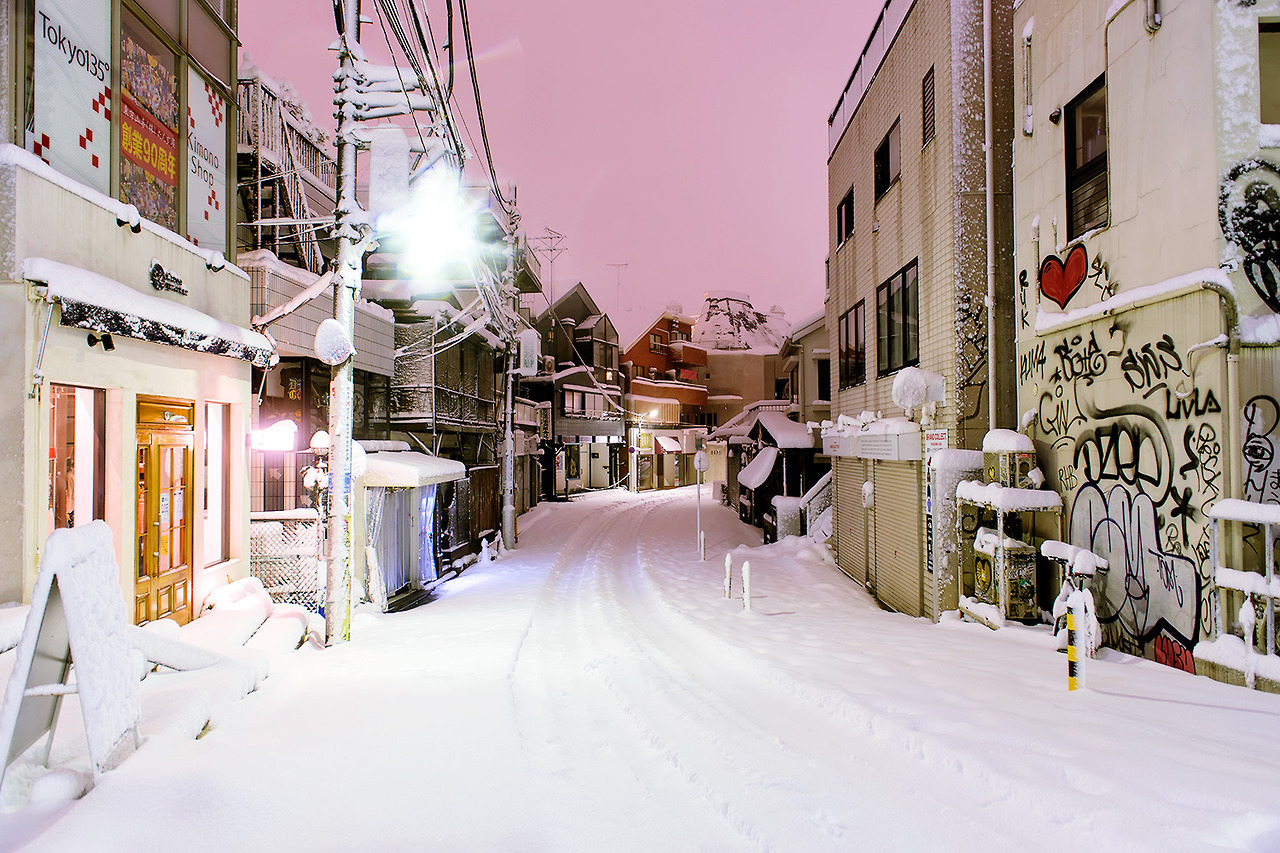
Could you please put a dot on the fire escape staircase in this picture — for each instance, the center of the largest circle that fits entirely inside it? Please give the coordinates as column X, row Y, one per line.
column 272, row 186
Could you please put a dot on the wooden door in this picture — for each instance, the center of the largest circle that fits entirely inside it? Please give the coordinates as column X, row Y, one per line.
column 164, row 532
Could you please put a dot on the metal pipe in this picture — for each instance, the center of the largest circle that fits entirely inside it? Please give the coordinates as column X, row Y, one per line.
column 989, row 145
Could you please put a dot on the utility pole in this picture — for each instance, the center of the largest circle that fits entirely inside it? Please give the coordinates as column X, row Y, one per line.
column 549, row 247
column 617, row 289
column 352, row 245
column 509, row 441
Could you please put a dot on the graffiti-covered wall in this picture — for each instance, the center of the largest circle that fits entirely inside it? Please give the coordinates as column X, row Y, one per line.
column 1129, row 424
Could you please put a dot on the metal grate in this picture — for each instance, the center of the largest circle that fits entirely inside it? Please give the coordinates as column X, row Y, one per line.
column 286, row 554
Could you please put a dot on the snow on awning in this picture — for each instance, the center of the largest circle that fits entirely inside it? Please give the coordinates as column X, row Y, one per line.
column 408, row 469
column 667, row 444
column 100, row 304
column 757, row 470
column 786, row 432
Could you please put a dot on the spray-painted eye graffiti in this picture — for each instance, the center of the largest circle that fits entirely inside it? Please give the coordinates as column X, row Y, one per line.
column 1249, row 213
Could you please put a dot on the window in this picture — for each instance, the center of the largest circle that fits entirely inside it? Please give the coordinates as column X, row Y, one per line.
column 655, row 342
column 844, row 218
column 853, row 348
column 217, row 482
column 888, row 161
column 1269, row 71
column 824, row 379
column 926, row 107
column 77, row 455
column 1087, row 203
column 898, row 321
column 575, row 403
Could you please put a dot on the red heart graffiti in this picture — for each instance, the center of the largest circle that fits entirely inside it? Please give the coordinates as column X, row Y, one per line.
column 1060, row 281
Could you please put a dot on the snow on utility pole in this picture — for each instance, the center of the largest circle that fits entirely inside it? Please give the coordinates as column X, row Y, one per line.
column 351, row 249
column 509, row 440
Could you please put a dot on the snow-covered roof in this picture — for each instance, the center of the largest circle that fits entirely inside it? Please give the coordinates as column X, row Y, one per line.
column 667, row 443
column 93, row 301
column 757, row 470
column 786, row 432
column 407, row 469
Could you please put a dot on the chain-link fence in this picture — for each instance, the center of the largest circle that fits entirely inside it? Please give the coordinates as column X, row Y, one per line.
column 286, row 554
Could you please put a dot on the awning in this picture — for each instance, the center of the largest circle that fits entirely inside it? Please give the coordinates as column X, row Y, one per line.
column 667, row 444
column 757, row 470
column 100, row 304
column 408, row 469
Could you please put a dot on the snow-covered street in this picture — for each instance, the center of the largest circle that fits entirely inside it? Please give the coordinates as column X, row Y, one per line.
column 593, row 690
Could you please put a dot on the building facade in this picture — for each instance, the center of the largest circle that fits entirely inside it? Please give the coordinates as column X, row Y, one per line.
column 908, row 274
column 129, row 358
column 1148, row 162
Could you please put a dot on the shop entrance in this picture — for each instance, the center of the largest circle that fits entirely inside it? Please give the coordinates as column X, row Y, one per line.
column 166, row 437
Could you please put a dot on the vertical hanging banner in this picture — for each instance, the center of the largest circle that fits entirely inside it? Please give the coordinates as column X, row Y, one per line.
column 206, row 164
column 148, row 129
column 70, row 123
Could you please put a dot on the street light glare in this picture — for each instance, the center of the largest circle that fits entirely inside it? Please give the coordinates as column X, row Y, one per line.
column 437, row 227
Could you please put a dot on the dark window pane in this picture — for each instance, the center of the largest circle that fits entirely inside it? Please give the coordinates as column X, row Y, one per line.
column 926, row 107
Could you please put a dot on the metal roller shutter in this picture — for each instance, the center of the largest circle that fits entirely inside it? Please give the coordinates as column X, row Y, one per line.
column 850, row 518
column 898, row 525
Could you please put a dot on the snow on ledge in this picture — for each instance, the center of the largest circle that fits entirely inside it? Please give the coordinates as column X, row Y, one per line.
column 12, row 155
column 1006, row 441
column 1234, row 509
column 1052, row 321
column 1006, row 499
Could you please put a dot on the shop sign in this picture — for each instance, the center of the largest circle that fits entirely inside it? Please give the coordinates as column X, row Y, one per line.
column 838, row 445
column 934, row 440
column 206, row 164
column 71, row 79
column 163, row 279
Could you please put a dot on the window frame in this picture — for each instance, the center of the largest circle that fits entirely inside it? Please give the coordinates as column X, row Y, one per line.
column 656, row 343
column 844, row 218
column 928, row 106
column 1082, row 175
column 852, row 346
column 888, row 160
column 898, row 340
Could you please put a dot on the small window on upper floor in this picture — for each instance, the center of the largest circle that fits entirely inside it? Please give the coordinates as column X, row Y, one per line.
column 1269, row 71
column 888, row 163
column 844, row 218
column 1088, row 205
column 655, row 342
column 926, row 108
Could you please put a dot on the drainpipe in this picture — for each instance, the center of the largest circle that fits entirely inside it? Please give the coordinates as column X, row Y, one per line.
column 992, row 421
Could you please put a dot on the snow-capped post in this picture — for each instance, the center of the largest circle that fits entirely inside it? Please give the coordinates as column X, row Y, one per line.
column 746, row 585
column 1077, row 629
column 352, row 245
column 728, row 576
column 701, row 463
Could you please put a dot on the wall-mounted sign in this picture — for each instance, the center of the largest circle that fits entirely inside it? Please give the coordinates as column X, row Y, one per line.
column 892, row 447
column 163, row 279
column 71, row 102
column 838, row 445
column 206, row 164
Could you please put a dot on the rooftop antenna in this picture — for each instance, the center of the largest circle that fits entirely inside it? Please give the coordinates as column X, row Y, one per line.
column 549, row 247
column 617, row 290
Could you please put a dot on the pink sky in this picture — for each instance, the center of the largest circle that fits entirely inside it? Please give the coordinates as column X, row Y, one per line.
column 684, row 138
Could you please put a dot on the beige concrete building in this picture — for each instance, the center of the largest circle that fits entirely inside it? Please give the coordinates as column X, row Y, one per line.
column 908, row 274
column 127, row 361
column 1146, row 187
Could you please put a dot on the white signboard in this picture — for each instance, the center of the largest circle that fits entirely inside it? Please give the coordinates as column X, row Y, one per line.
column 206, row 164
column 934, row 440
column 894, row 447
column 71, row 125
column 838, row 445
